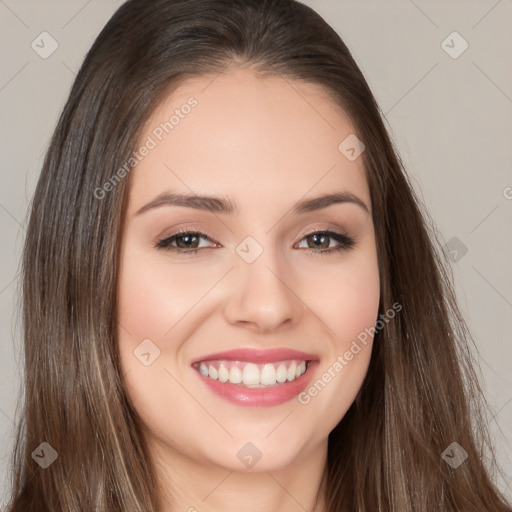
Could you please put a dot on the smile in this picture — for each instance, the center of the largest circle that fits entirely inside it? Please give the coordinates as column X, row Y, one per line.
column 253, row 375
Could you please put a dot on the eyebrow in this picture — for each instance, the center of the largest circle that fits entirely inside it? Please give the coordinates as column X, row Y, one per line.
column 226, row 206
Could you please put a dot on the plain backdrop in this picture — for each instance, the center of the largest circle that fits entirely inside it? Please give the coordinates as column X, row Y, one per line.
column 447, row 106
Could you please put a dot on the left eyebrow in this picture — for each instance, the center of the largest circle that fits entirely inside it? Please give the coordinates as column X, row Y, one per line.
column 325, row 200
column 223, row 205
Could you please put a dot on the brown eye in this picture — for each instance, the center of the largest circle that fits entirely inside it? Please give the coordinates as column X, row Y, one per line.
column 319, row 241
column 186, row 242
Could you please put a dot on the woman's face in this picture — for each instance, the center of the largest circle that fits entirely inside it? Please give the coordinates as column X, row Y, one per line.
column 214, row 340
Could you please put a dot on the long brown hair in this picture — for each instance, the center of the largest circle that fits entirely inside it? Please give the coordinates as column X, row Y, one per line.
column 421, row 392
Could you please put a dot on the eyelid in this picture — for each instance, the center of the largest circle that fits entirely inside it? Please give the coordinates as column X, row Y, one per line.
column 321, row 228
column 316, row 230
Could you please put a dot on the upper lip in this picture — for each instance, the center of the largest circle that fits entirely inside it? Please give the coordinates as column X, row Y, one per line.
column 252, row 355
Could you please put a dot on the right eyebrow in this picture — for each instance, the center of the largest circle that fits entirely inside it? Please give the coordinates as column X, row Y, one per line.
column 208, row 203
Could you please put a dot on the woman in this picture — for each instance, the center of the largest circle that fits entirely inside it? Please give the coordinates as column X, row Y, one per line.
column 232, row 299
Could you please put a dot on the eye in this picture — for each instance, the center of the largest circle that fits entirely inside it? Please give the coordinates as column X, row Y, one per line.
column 186, row 241
column 320, row 240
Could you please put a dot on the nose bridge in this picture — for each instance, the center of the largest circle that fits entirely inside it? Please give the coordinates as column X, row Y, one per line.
column 261, row 293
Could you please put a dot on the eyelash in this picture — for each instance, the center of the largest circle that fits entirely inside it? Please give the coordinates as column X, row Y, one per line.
column 346, row 242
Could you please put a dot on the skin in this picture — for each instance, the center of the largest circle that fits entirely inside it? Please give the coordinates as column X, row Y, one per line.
column 265, row 143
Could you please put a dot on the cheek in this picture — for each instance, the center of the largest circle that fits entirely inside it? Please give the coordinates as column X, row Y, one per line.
column 347, row 306
column 345, row 297
column 356, row 307
column 160, row 304
column 154, row 296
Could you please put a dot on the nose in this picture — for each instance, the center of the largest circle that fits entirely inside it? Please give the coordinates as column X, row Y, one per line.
column 261, row 294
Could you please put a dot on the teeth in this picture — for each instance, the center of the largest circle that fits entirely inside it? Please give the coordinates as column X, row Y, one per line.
column 290, row 374
column 223, row 373
column 268, row 375
column 203, row 369
column 281, row 374
column 213, row 372
column 253, row 375
column 235, row 375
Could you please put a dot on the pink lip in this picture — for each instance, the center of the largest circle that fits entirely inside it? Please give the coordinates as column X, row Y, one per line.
column 258, row 356
column 259, row 397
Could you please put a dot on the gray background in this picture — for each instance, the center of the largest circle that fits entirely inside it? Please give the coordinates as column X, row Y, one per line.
column 450, row 118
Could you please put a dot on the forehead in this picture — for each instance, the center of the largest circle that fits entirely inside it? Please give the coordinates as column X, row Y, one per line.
column 243, row 134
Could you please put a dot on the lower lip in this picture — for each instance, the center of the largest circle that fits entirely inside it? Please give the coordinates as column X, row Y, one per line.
column 260, row 397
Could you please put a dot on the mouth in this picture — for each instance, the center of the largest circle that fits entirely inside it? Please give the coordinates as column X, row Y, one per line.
column 256, row 377
column 251, row 375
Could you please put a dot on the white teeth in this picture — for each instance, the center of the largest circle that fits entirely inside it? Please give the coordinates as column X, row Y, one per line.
column 203, row 369
column 290, row 375
column 212, row 372
column 235, row 375
column 281, row 374
column 253, row 375
column 223, row 373
column 268, row 375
